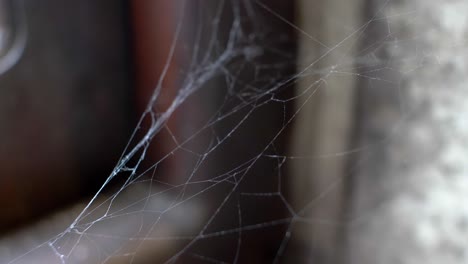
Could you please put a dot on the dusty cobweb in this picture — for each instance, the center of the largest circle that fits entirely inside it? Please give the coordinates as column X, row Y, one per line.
column 222, row 186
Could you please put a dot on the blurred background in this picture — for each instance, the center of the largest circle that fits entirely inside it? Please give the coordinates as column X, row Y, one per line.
column 312, row 132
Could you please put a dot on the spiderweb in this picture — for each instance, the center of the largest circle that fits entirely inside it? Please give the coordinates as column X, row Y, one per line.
column 224, row 195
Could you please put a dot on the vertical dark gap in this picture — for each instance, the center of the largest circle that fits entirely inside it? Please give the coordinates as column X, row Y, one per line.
column 373, row 126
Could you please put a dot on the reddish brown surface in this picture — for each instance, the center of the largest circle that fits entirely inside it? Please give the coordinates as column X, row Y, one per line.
column 154, row 27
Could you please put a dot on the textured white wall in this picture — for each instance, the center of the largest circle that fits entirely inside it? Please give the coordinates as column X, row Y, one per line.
column 421, row 213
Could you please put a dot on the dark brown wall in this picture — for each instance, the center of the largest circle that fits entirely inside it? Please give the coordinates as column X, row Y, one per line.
column 64, row 107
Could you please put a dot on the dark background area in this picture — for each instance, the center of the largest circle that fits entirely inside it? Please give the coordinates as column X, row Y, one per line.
column 66, row 108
